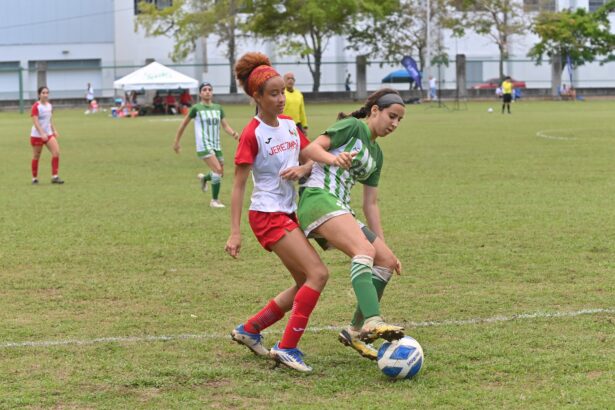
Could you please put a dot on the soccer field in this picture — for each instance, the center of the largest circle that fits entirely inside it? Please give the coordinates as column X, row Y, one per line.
column 116, row 291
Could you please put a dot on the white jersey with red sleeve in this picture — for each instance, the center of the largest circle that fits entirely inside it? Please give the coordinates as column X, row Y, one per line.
column 43, row 112
column 270, row 150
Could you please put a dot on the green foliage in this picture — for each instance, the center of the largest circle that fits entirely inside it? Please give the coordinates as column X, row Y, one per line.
column 187, row 21
column 304, row 27
column 488, row 219
column 576, row 33
column 497, row 20
column 397, row 30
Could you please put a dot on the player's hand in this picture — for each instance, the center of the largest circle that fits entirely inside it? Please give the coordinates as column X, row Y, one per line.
column 233, row 245
column 177, row 147
column 397, row 268
column 236, row 135
column 45, row 138
column 344, row 159
column 293, row 173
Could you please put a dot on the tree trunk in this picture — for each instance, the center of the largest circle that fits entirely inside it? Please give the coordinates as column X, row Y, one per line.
column 316, row 74
column 556, row 75
column 232, row 49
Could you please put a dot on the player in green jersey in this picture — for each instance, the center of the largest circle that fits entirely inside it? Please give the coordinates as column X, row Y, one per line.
column 345, row 153
column 208, row 118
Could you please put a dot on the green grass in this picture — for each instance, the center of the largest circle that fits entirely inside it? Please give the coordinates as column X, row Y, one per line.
column 488, row 218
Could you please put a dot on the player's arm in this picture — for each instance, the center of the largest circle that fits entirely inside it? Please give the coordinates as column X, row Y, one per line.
column 227, row 128
column 54, row 131
column 318, row 151
column 372, row 210
column 233, row 244
column 38, row 127
column 180, row 132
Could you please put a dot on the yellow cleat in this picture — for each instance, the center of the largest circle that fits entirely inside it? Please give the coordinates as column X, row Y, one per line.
column 350, row 337
column 376, row 328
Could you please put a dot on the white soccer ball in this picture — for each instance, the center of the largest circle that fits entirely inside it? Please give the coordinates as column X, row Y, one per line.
column 489, row 109
column 400, row 359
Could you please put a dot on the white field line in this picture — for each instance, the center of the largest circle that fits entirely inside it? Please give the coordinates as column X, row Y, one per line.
column 145, row 339
column 543, row 134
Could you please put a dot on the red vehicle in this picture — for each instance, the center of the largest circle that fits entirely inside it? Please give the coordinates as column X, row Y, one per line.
column 493, row 83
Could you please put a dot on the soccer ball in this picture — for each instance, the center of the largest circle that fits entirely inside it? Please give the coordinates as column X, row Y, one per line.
column 489, row 109
column 400, row 359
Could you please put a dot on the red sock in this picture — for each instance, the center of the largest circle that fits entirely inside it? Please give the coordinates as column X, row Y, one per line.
column 55, row 164
column 305, row 301
column 270, row 314
column 34, row 168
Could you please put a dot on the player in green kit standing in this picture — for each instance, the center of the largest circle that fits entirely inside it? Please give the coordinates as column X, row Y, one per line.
column 208, row 119
column 347, row 153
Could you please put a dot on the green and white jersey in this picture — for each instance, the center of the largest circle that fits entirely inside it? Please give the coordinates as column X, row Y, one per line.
column 207, row 120
column 349, row 135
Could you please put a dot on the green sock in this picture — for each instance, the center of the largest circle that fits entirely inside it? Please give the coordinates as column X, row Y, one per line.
column 216, row 181
column 358, row 319
column 207, row 177
column 364, row 289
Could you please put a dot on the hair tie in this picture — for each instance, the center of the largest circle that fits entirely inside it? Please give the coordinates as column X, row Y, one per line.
column 258, row 76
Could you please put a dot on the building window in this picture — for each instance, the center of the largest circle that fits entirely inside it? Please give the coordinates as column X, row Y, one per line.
column 160, row 4
column 538, row 5
column 595, row 5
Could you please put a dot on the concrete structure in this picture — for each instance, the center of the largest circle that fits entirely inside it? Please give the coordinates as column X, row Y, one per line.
column 83, row 41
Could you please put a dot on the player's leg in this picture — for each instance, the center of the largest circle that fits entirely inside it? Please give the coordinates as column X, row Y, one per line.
column 54, row 147
column 215, row 176
column 385, row 262
column 37, row 149
column 302, row 261
column 344, row 233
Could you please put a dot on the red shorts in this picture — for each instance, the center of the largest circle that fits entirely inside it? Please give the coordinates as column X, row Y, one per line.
column 270, row 227
column 37, row 141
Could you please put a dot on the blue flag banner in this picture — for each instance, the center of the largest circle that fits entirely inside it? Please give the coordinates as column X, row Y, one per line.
column 569, row 65
column 410, row 65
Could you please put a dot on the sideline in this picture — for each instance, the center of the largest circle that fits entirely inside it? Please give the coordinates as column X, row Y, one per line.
column 146, row 339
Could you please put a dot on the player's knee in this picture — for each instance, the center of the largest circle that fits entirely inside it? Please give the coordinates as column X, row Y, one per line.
column 366, row 249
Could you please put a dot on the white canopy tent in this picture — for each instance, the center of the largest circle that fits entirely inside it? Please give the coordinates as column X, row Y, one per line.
column 155, row 76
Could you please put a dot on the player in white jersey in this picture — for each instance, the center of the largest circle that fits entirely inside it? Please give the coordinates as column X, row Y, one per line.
column 208, row 118
column 347, row 153
column 270, row 147
column 43, row 132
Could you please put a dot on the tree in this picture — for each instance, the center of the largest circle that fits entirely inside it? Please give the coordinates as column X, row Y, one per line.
column 577, row 34
column 409, row 36
column 186, row 21
column 498, row 20
column 305, row 27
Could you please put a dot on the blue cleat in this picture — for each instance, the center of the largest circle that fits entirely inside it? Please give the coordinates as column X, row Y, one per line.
column 292, row 358
column 253, row 341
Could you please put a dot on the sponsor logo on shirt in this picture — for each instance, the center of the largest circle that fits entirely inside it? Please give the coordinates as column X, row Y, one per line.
column 268, row 140
column 285, row 146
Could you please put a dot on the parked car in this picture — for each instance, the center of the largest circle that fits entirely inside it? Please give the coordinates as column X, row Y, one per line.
column 493, row 83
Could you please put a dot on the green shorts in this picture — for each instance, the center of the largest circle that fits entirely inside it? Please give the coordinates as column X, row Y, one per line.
column 207, row 154
column 317, row 206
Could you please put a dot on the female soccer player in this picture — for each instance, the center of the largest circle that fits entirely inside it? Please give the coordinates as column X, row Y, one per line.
column 44, row 133
column 208, row 118
column 270, row 147
column 346, row 153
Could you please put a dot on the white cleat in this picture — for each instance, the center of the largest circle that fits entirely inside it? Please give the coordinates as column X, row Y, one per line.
column 216, row 204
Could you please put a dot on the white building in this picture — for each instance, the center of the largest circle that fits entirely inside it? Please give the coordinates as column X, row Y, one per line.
column 95, row 41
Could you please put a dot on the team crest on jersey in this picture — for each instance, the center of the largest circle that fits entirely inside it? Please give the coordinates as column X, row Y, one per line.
column 292, row 131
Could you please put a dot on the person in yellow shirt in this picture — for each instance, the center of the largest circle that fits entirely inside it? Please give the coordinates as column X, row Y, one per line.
column 294, row 108
column 507, row 93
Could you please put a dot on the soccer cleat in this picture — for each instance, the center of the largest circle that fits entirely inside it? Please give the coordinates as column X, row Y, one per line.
column 292, row 358
column 201, row 177
column 216, row 204
column 376, row 328
column 57, row 180
column 34, row 181
column 253, row 341
column 350, row 337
